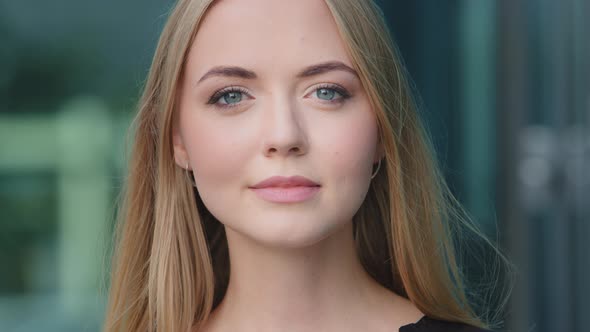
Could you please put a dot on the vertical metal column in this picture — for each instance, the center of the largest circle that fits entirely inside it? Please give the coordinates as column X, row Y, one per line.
column 513, row 101
column 478, row 45
column 84, row 162
column 579, row 170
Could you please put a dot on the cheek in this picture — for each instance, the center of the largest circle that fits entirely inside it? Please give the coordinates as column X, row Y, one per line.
column 216, row 150
column 350, row 147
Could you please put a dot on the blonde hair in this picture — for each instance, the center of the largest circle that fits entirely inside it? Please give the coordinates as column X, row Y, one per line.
column 171, row 265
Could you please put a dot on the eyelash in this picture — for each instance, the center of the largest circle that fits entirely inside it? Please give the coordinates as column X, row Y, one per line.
column 344, row 94
column 217, row 95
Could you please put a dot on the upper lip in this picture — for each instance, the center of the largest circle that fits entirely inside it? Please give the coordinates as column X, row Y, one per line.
column 285, row 182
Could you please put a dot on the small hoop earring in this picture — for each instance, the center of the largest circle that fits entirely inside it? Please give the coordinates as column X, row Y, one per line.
column 190, row 178
column 377, row 170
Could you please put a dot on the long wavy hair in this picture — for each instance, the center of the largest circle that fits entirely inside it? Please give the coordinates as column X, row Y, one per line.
column 171, row 266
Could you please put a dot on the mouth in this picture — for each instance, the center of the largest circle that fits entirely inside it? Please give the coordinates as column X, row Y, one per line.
column 278, row 189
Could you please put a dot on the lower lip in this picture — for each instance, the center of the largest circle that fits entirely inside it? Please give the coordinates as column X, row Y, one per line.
column 286, row 195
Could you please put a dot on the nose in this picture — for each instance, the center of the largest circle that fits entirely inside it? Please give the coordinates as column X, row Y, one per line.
column 285, row 132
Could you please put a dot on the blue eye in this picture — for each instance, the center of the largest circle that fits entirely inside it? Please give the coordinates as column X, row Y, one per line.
column 331, row 93
column 232, row 97
column 227, row 97
column 326, row 94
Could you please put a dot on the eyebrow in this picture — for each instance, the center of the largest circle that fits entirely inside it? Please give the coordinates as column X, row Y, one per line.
column 325, row 67
column 229, row 72
column 313, row 70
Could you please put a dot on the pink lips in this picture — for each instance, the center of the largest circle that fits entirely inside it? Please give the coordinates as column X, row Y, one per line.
column 279, row 189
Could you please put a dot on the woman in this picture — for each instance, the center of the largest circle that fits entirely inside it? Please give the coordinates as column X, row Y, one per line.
column 281, row 181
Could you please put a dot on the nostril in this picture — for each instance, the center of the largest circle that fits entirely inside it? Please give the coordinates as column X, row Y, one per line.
column 297, row 150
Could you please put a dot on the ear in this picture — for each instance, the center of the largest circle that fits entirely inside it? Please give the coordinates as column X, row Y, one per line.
column 379, row 152
column 180, row 155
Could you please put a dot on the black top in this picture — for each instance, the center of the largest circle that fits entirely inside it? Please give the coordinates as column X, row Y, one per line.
column 427, row 324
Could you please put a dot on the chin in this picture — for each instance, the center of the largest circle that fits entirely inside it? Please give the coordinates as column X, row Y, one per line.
column 288, row 234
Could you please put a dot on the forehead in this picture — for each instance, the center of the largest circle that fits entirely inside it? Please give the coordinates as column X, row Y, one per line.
column 279, row 34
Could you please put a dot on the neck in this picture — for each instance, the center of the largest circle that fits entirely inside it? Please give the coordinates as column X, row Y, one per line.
column 322, row 287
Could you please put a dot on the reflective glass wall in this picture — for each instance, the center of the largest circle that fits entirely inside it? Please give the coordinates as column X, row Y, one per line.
column 504, row 89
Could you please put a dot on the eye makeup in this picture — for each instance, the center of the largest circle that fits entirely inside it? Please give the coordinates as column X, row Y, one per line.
column 233, row 96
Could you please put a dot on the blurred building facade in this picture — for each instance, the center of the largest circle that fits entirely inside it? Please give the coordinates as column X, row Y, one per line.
column 505, row 91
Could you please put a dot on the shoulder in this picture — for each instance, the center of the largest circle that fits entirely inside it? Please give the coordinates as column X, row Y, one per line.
column 427, row 324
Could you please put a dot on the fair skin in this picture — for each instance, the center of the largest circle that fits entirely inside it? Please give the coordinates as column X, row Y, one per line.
column 293, row 265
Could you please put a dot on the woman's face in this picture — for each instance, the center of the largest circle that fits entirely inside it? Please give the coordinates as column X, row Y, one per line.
column 269, row 90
